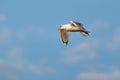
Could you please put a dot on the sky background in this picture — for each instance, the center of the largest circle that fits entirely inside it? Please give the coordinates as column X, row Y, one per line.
column 31, row 47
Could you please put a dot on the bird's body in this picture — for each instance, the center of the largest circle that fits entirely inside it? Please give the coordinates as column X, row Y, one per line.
column 69, row 28
column 72, row 27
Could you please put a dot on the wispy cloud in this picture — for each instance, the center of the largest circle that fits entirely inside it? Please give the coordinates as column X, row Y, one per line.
column 17, row 62
column 2, row 17
column 5, row 35
column 8, row 34
column 113, row 75
column 15, row 52
column 9, row 71
column 115, row 40
column 13, row 62
column 23, row 34
column 80, row 52
column 99, row 25
column 14, row 70
column 40, row 70
column 112, row 39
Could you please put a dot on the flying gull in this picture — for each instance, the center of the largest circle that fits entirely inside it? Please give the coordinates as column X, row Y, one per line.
column 72, row 27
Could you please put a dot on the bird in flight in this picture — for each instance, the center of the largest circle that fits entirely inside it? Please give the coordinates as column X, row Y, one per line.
column 72, row 27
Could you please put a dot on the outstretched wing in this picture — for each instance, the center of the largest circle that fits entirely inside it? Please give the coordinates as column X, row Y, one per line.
column 78, row 25
column 64, row 36
column 81, row 28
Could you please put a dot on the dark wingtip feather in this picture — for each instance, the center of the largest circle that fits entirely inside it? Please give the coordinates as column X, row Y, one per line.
column 87, row 32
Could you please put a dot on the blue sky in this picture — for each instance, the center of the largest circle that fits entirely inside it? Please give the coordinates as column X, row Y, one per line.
column 31, row 47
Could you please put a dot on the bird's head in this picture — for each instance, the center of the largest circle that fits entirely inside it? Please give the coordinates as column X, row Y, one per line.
column 59, row 27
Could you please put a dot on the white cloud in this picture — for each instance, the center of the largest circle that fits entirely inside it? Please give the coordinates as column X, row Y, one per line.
column 22, row 34
column 99, row 25
column 114, row 44
column 5, row 35
column 113, row 75
column 13, row 61
column 14, row 70
column 15, row 52
column 9, row 71
column 40, row 69
column 112, row 39
column 2, row 17
column 112, row 34
column 80, row 52
column 8, row 35
column 16, row 59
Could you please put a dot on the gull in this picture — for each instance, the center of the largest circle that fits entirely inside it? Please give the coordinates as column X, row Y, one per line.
column 72, row 27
